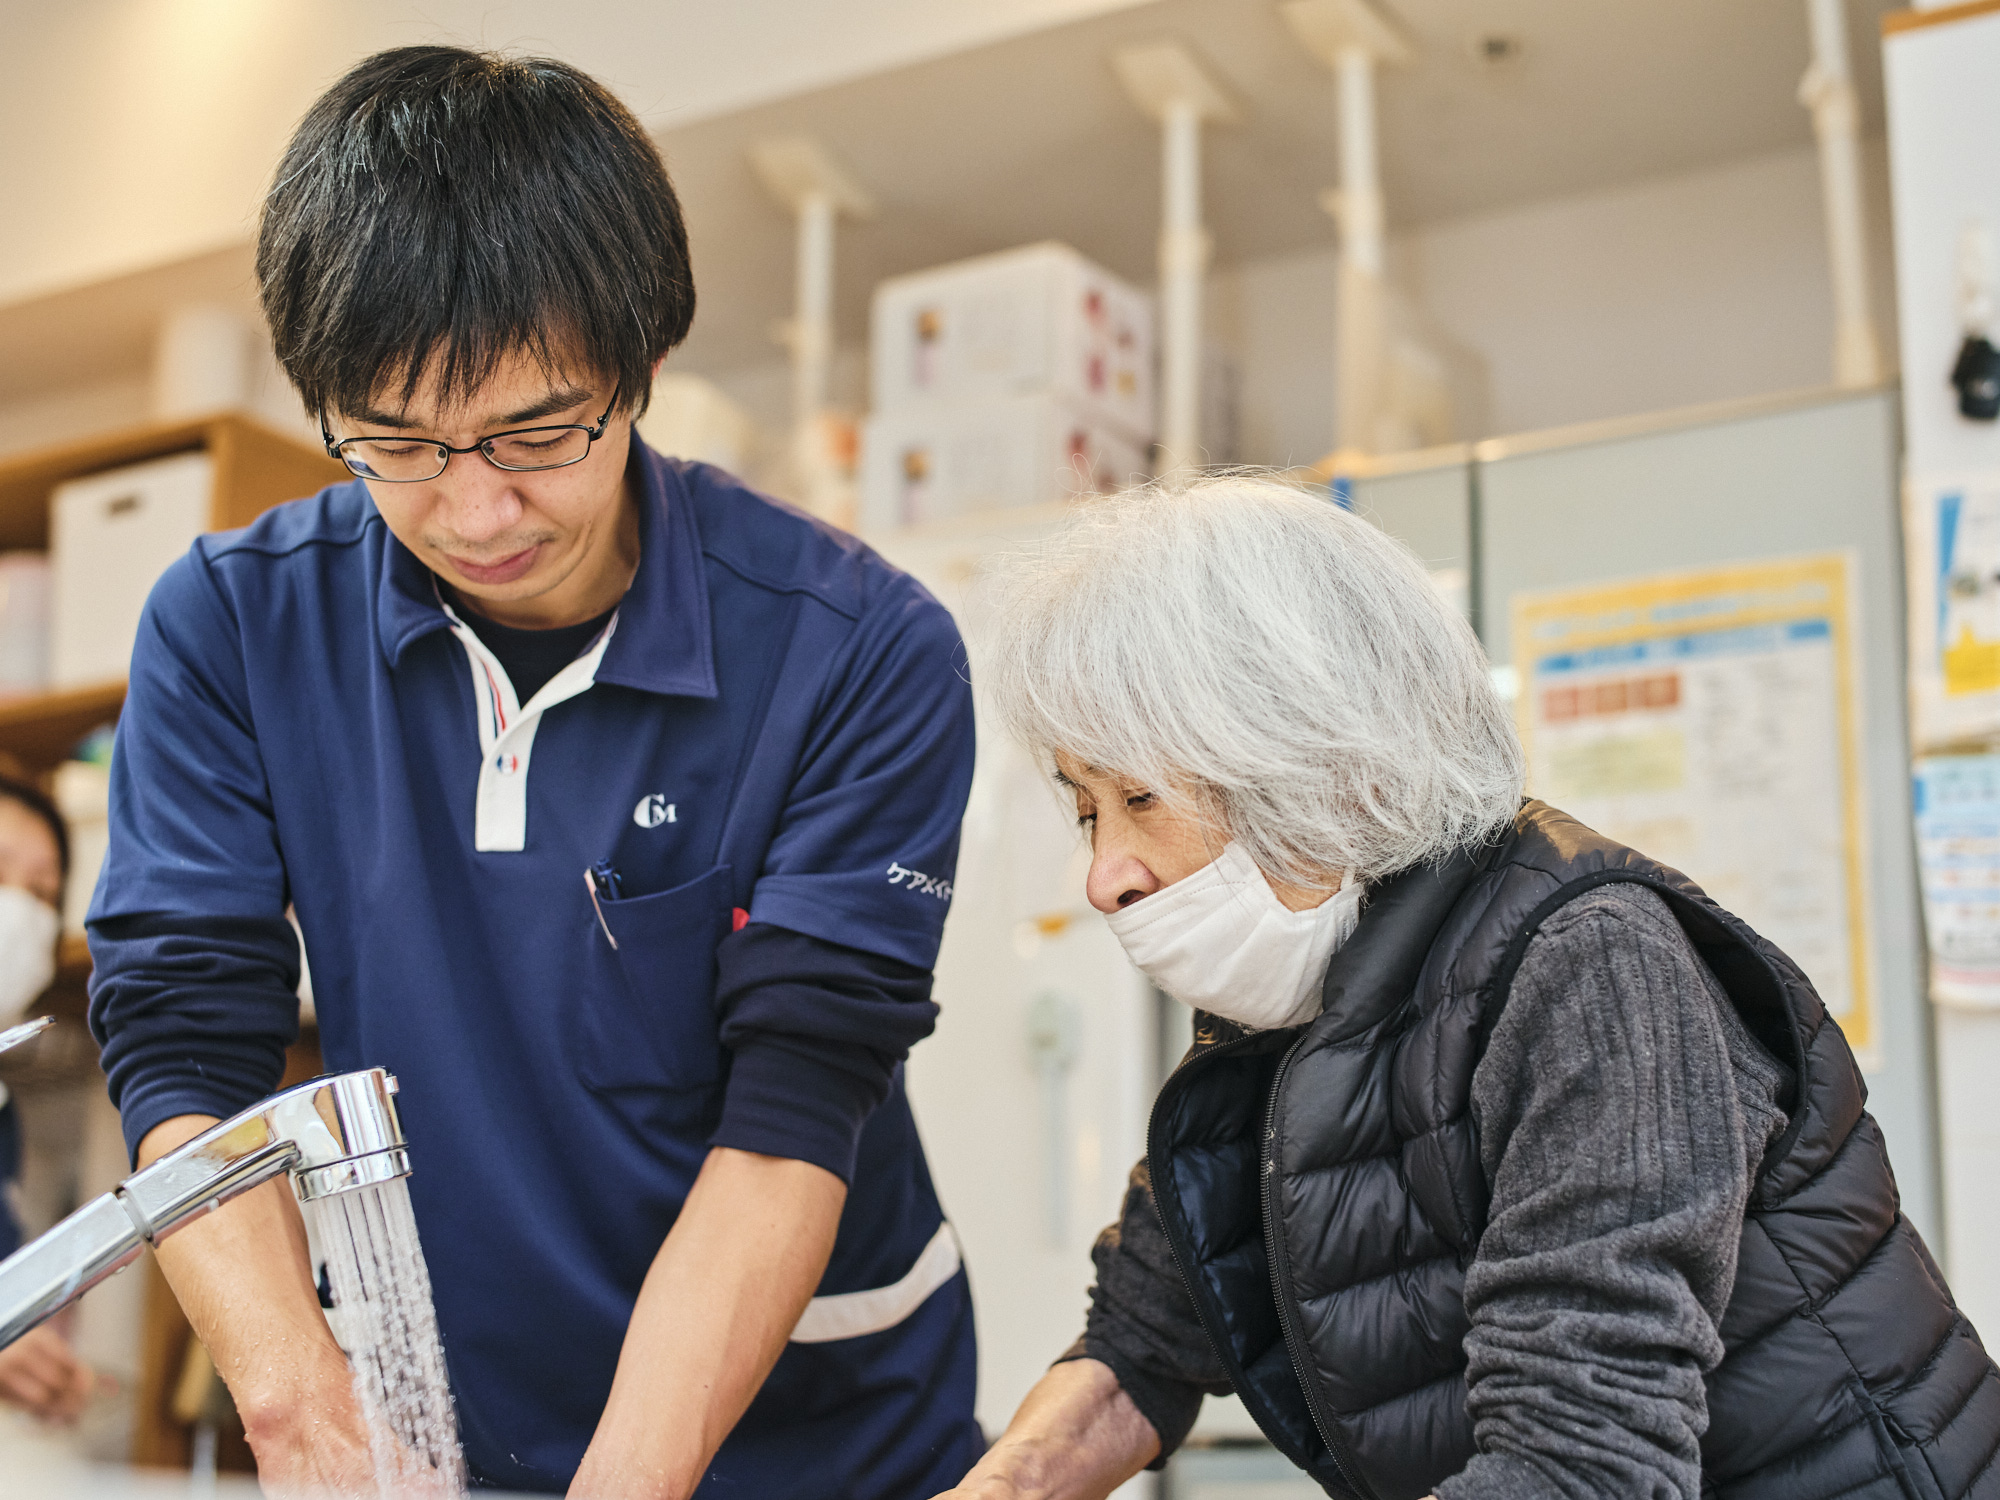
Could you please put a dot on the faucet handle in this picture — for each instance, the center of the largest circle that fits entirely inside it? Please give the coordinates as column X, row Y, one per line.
column 27, row 1031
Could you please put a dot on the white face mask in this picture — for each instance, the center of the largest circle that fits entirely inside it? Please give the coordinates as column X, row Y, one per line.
column 28, row 927
column 1221, row 941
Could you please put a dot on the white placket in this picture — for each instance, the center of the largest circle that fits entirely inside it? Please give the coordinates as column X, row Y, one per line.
column 507, row 734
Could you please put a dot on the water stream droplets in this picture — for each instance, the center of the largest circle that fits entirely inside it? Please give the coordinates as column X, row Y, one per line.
column 383, row 1317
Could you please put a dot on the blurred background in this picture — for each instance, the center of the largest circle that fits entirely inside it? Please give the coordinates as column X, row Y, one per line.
column 1661, row 332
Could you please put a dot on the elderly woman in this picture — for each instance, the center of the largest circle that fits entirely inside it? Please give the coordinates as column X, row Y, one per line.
column 1505, row 1162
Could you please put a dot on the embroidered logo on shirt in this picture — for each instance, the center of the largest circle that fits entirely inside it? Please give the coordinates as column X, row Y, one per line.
column 653, row 811
column 917, row 880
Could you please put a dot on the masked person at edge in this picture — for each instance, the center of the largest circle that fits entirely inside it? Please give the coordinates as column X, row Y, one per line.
column 39, row 1372
column 1505, row 1163
column 618, row 803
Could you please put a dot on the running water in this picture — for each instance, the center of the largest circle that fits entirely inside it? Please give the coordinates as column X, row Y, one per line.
column 383, row 1317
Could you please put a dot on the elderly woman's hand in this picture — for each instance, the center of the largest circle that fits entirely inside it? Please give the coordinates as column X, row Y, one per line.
column 42, row 1375
column 1076, row 1434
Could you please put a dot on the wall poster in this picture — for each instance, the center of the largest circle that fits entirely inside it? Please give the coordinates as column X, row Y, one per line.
column 1951, row 528
column 1957, row 800
column 1709, row 719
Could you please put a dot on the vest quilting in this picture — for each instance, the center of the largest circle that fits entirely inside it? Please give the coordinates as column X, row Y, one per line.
column 1323, row 1193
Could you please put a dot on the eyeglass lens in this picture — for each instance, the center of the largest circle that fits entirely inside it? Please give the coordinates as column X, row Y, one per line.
column 401, row 460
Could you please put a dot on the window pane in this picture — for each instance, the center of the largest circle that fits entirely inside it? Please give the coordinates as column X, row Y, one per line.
column 541, row 449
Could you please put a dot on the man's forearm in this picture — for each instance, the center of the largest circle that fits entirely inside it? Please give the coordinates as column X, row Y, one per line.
column 244, row 1279
column 716, row 1310
column 1077, row 1436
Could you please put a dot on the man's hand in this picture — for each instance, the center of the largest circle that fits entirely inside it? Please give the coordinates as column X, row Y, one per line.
column 40, row 1374
column 719, row 1304
column 244, row 1280
column 1077, row 1436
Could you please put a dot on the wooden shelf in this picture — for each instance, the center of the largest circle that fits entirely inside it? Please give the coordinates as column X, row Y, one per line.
column 41, row 731
column 255, row 468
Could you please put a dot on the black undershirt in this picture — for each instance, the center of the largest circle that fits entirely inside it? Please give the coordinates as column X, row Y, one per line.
column 532, row 657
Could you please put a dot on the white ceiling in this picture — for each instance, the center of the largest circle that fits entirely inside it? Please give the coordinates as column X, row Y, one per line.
column 1031, row 138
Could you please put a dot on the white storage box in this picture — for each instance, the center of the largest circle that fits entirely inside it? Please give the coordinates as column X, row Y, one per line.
column 82, row 794
column 1037, row 319
column 690, row 417
column 24, row 622
column 934, row 462
column 111, row 536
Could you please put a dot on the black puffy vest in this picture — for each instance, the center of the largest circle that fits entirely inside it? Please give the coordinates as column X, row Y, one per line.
column 1322, row 1190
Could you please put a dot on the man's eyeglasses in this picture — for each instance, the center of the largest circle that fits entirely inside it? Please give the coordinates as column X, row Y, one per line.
column 400, row 460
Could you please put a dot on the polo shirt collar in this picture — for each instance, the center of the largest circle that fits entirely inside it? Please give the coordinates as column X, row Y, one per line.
column 663, row 643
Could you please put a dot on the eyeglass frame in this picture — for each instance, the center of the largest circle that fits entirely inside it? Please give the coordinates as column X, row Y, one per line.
column 591, row 435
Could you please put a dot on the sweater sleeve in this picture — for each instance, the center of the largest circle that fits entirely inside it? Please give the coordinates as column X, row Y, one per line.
column 1142, row 1323
column 816, row 1031
column 1611, row 1111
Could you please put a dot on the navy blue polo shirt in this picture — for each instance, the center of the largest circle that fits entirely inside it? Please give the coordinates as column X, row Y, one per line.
column 773, row 729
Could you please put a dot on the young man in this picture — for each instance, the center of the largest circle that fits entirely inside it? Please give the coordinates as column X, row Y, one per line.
column 596, row 780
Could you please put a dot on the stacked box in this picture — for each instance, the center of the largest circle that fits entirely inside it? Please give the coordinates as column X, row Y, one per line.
column 959, row 458
column 111, row 536
column 1008, row 380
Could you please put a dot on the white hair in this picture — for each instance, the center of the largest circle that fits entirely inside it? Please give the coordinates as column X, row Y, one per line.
column 1251, row 650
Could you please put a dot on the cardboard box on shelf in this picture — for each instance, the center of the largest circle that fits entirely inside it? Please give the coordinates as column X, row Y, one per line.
column 934, row 462
column 111, row 536
column 1037, row 319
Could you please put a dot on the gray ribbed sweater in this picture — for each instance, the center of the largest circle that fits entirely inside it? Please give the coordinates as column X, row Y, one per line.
column 1622, row 1109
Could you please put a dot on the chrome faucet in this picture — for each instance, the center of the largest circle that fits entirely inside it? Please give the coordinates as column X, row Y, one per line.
column 332, row 1135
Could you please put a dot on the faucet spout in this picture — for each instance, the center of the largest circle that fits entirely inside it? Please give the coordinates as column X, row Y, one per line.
column 331, row 1135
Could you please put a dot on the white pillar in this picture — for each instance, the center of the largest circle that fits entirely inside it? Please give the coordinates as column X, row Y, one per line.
column 1353, row 39
column 1362, row 335
column 1171, row 86
column 1184, row 257
column 804, row 176
column 812, row 322
column 1828, row 91
column 201, row 362
column 1361, row 221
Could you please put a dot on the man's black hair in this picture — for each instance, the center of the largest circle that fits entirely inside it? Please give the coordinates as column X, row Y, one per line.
column 37, row 801
column 439, row 209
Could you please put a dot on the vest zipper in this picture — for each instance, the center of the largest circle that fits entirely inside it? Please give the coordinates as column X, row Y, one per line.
column 1336, row 1447
column 1283, row 1295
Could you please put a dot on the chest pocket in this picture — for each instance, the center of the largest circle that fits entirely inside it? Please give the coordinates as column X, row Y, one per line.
column 649, row 1017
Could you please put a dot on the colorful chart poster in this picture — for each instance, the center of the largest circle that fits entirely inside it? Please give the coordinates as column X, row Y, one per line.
column 1952, row 528
column 1708, row 719
column 1957, row 801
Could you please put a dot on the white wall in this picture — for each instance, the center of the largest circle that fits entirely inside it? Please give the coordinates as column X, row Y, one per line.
column 73, row 412
column 1663, row 294
column 140, row 131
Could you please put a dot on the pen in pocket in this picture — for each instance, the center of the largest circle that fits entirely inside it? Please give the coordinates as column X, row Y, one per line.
column 601, row 880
